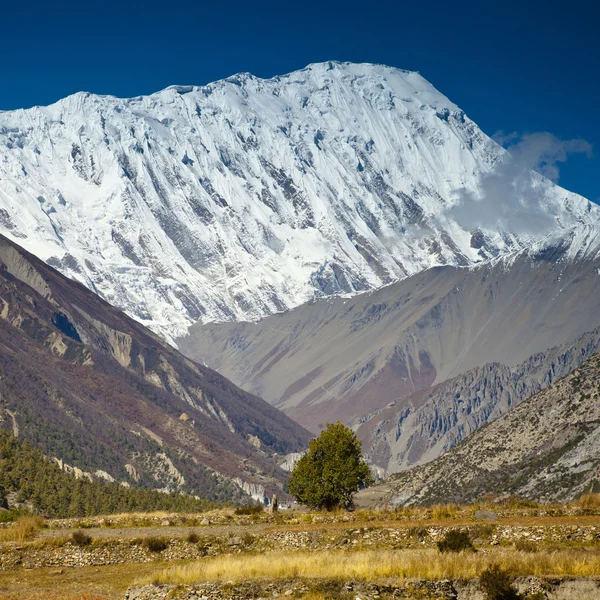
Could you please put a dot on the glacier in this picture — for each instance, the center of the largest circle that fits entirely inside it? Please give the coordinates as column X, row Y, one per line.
column 249, row 196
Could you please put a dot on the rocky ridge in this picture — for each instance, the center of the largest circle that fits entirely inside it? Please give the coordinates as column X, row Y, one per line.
column 428, row 423
column 343, row 358
column 545, row 449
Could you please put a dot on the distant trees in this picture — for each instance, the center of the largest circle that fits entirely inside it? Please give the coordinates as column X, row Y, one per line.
column 54, row 493
column 332, row 470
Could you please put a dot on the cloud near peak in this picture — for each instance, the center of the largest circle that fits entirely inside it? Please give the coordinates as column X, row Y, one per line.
column 511, row 196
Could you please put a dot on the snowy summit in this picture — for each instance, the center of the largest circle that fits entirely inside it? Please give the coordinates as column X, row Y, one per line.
column 247, row 196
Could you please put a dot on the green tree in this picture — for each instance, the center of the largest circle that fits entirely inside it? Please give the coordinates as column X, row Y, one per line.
column 332, row 470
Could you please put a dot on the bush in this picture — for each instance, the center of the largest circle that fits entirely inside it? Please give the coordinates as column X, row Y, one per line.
column 251, row 509
column 456, row 540
column 418, row 532
column 22, row 530
column 515, row 502
column 485, row 530
column 589, row 501
column 526, row 546
column 156, row 544
column 497, row 584
column 81, row 539
column 332, row 470
column 193, row 537
column 444, row 511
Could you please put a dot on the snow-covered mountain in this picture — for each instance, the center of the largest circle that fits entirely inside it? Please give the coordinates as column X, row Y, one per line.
column 247, row 197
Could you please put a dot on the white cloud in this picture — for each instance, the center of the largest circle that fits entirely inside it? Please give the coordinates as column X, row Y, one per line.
column 511, row 196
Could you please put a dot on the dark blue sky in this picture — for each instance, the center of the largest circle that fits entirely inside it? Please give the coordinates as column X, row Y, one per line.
column 515, row 66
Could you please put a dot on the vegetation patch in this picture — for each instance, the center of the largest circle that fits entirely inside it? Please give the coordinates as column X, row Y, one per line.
column 497, row 584
column 79, row 538
column 24, row 529
column 250, row 509
column 193, row 537
column 40, row 482
column 332, row 471
column 155, row 544
column 377, row 565
column 456, row 540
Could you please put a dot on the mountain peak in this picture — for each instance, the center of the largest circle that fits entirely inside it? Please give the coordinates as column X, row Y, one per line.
column 249, row 196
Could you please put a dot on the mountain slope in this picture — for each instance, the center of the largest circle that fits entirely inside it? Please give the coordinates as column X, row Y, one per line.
column 96, row 390
column 545, row 449
column 342, row 358
column 430, row 422
column 247, row 197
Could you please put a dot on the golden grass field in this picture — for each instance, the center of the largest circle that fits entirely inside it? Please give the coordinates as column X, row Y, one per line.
column 379, row 565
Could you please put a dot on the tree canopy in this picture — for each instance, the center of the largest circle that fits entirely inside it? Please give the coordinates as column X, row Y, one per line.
column 40, row 482
column 332, row 470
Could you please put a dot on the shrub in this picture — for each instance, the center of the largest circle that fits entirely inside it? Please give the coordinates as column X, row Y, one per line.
column 589, row 501
column 497, row 584
column 204, row 544
column 156, row 544
column 80, row 538
column 419, row 532
column 485, row 530
column 250, row 509
column 405, row 511
column 193, row 537
column 8, row 516
column 526, row 546
column 444, row 511
column 22, row 530
column 515, row 501
column 456, row 540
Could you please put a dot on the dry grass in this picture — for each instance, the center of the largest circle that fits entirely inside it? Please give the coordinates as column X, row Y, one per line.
column 589, row 501
column 72, row 583
column 24, row 529
column 377, row 565
column 444, row 511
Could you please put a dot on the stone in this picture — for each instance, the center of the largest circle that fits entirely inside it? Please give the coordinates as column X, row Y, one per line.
column 485, row 515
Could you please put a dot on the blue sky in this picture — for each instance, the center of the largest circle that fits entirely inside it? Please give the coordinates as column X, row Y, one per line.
column 525, row 66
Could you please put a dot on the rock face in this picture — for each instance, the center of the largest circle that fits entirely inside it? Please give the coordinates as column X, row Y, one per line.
column 96, row 390
column 546, row 449
column 429, row 423
column 344, row 358
column 248, row 197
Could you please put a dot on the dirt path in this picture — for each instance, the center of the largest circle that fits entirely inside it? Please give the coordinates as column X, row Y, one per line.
column 166, row 531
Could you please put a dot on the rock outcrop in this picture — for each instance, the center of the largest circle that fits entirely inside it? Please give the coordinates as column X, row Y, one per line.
column 544, row 449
